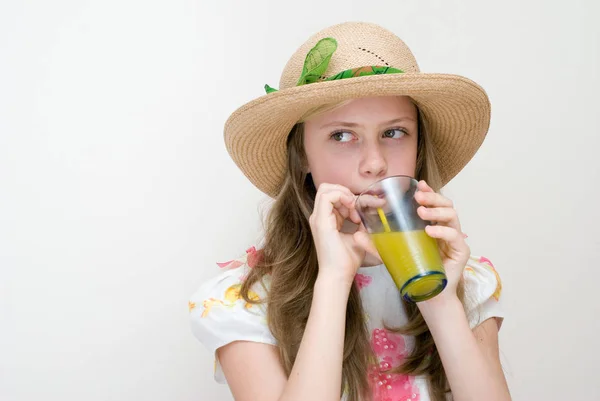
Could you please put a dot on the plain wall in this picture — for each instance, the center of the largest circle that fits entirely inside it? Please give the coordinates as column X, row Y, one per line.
column 117, row 196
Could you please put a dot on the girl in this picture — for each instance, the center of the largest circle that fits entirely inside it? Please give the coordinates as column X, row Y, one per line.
column 314, row 314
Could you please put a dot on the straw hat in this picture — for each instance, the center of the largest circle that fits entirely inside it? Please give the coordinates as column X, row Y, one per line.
column 351, row 60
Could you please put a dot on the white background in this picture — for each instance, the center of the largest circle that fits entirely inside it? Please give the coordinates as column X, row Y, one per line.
column 117, row 195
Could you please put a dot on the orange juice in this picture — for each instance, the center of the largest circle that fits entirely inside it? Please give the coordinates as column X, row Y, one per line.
column 413, row 260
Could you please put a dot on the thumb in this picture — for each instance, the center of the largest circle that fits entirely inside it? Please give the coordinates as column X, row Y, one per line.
column 363, row 240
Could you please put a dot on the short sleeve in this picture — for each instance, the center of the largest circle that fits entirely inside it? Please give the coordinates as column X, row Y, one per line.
column 483, row 289
column 219, row 315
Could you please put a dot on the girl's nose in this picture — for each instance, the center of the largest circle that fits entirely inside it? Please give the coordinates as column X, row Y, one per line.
column 373, row 163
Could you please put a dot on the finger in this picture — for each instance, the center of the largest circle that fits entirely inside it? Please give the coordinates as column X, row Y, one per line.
column 350, row 212
column 347, row 210
column 327, row 204
column 363, row 240
column 362, row 228
column 432, row 199
column 326, row 188
column 350, row 204
column 339, row 218
column 342, row 210
column 348, row 201
column 372, row 201
column 423, row 186
column 354, row 216
column 452, row 236
column 343, row 214
column 334, row 197
column 445, row 215
column 369, row 204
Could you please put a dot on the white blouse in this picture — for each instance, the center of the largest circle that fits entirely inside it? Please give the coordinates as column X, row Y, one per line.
column 219, row 316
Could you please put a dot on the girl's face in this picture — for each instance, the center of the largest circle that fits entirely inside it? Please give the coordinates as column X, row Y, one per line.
column 363, row 141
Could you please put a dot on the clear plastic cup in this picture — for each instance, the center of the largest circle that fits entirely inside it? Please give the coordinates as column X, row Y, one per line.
column 388, row 210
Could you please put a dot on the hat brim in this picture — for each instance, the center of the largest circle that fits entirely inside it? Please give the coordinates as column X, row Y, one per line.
column 456, row 109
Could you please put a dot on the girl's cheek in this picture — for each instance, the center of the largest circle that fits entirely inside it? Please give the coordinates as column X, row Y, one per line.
column 337, row 170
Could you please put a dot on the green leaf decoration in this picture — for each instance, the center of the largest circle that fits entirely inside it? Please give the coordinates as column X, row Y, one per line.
column 318, row 58
column 317, row 61
column 386, row 70
column 268, row 89
column 364, row 71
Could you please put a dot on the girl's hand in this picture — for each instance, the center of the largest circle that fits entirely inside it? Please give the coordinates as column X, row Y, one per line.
column 451, row 241
column 339, row 254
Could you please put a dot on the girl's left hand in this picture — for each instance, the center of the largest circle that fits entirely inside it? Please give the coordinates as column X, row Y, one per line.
column 451, row 241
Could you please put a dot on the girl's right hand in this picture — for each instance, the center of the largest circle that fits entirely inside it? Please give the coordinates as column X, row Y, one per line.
column 339, row 254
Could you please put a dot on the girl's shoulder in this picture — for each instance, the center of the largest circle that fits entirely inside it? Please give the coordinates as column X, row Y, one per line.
column 483, row 291
column 224, row 288
column 219, row 314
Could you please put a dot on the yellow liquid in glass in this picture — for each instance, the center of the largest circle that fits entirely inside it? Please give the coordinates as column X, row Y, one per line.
column 411, row 254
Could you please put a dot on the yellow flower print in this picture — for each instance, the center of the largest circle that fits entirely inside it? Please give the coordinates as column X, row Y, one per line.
column 232, row 295
column 209, row 303
column 191, row 305
column 498, row 291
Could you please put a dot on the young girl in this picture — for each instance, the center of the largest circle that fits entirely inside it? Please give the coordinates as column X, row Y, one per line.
column 314, row 314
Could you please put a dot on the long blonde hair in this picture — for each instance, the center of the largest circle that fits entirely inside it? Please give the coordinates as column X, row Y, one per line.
column 289, row 257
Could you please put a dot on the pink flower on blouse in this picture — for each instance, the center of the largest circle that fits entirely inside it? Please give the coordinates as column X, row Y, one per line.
column 498, row 291
column 483, row 259
column 253, row 257
column 362, row 280
column 391, row 351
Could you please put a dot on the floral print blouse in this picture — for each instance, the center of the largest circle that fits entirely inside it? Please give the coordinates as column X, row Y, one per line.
column 219, row 316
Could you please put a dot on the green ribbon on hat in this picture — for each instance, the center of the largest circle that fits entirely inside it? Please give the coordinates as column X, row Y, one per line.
column 317, row 61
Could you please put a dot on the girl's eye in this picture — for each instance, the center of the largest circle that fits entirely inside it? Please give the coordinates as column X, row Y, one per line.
column 342, row 136
column 395, row 133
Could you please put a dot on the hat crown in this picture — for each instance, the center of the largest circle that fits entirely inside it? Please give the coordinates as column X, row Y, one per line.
column 359, row 44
